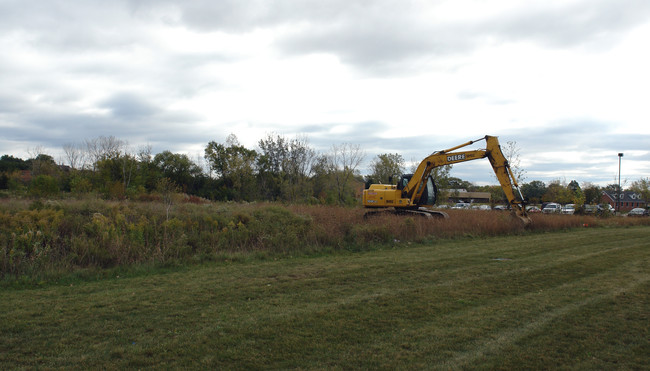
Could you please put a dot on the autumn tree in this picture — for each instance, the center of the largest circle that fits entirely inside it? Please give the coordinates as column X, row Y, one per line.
column 591, row 193
column 534, row 191
column 43, row 186
column 552, row 191
column 577, row 196
column 641, row 186
column 42, row 164
column 284, row 167
column 148, row 173
column 300, row 159
column 558, row 192
column 234, row 164
column 322, row 180
column 387, row 168
column 119, row 168
column 178, row 168
column 8, row 166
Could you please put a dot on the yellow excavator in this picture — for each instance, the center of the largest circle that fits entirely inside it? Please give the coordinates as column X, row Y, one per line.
column 415, row 193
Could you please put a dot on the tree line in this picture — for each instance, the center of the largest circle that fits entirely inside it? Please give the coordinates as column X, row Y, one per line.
column 279, row 169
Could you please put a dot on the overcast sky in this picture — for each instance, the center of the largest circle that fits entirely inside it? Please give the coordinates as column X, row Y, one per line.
column 568, row 80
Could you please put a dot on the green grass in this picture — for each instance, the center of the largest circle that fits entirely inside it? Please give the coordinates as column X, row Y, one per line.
column 576, row 299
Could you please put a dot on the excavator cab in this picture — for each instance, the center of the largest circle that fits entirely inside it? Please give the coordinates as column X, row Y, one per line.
column 429, row 195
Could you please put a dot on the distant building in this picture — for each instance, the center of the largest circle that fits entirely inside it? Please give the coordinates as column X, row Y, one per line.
column 629, row 200
column 461, row 195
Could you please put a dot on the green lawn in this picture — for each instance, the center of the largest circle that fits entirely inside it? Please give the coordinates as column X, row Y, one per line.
column 578, row 300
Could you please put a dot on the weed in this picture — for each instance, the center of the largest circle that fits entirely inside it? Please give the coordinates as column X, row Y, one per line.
column 41, row 237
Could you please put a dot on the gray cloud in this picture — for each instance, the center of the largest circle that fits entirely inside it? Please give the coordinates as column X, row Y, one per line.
column 128, row 106
column 388, row 32
column 130, row 118
column 361, row 32
column 571, row 24
column 75, row 49
column 61, row 26
column 367, row 134
column 11, row 103
column 377, row 35
column 587, row 136
column 236, row 16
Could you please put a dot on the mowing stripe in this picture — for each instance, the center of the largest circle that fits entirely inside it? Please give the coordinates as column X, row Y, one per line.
column 510, row 336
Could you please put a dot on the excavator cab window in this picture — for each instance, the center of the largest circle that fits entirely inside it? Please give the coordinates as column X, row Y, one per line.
column 430, row 192
column 403, row 181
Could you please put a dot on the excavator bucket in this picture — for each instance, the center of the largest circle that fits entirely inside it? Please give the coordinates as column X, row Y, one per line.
column 523, row 217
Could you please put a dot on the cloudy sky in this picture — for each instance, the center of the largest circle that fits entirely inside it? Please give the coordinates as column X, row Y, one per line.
column 567, row 81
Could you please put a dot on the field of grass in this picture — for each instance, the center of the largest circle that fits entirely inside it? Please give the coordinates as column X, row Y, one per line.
column 42, row 241
column 573, row 299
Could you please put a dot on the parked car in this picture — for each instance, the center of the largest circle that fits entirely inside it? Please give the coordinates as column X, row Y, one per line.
column 589, row 209
column 568, row 209
column 605, row 208
column 462, row 205
column 552, row 208
column 500, row 207
column 533, row 209
column 484, row 207
column 639, row 211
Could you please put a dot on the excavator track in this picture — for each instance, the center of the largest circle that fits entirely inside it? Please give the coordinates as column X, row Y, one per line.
column 421, row 212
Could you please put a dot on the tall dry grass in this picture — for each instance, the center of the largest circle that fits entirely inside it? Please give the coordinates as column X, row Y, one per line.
column 66, row 235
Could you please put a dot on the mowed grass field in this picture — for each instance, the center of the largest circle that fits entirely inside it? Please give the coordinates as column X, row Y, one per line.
column 576, row 299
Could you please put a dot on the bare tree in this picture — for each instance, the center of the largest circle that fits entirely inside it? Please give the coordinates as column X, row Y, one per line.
column 73, row 155
column 92, row 151
column 344, row 162
column 37, row 156
column 200, row 162
column 102, row 148
column 144, row 154
column 167, row 190
column 301, row 157
column 129, row 163
column 111, row 147
column 33, row 152
column 298, row 168
column 511, row 152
